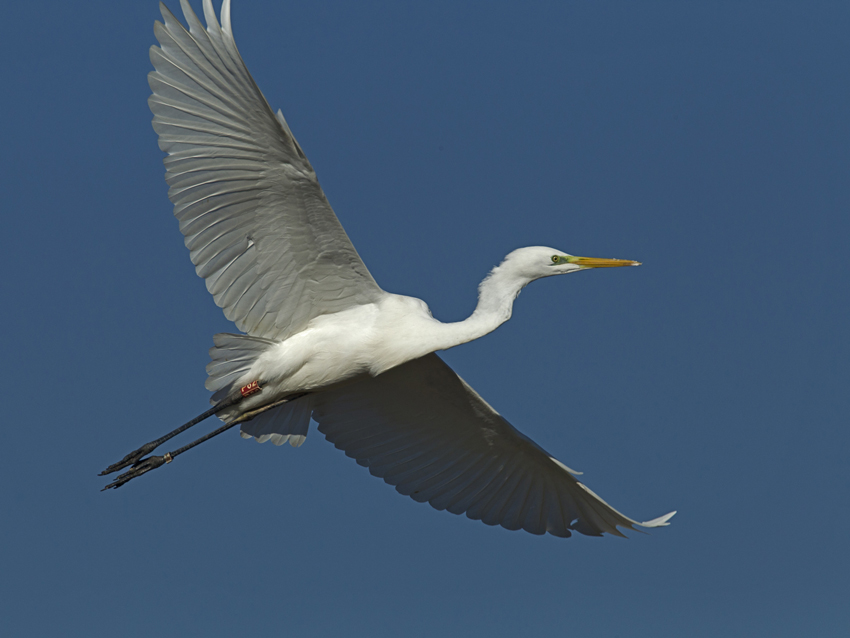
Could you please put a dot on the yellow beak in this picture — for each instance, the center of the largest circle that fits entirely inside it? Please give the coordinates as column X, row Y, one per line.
column 596, row 262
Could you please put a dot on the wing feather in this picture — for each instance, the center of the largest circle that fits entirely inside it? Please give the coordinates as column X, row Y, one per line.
column 448, row 491
column 439, row 482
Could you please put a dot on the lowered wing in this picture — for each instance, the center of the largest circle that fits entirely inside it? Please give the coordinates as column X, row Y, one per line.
column 422, row 429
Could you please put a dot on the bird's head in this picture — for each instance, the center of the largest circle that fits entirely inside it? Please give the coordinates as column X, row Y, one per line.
column 535, row 262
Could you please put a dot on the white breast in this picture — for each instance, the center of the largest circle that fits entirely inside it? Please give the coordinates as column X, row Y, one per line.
column 370, row 338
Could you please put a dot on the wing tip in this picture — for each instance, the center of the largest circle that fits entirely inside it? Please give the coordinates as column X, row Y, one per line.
column 661, row 521
column 225, row 18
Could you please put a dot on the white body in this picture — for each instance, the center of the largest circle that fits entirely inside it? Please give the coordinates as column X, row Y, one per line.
column 364, row 339
column 375, row 337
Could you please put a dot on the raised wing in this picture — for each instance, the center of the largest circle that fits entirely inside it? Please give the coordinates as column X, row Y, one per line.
column 422, row 429
column 257, row 224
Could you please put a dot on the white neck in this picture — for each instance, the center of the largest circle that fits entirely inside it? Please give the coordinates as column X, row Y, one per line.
column 496, row 296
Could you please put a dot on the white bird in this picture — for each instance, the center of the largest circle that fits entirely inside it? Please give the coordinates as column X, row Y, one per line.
column 323, row 340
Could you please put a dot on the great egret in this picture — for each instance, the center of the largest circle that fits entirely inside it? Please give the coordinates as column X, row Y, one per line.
column 323, row 340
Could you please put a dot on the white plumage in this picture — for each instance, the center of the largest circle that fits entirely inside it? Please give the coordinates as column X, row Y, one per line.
column 277, row 261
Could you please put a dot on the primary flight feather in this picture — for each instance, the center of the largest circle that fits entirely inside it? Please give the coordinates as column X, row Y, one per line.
column 323, row 341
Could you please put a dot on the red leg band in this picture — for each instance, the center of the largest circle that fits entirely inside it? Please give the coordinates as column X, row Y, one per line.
column 251, row 388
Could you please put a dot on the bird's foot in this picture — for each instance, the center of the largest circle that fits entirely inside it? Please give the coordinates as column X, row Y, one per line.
column 131, row 459
column 139, row 467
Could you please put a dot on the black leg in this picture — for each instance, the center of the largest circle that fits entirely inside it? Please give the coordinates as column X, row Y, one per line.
column 147, row 448
column 144, row 466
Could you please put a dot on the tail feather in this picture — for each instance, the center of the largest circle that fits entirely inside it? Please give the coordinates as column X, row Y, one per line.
column 286, row 423
column 232, row 357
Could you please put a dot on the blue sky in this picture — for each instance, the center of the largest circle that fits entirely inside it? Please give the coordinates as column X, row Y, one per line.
column 707, row 140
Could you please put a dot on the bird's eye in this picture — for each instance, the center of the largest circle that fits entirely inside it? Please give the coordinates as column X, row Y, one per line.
column 555, row 259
